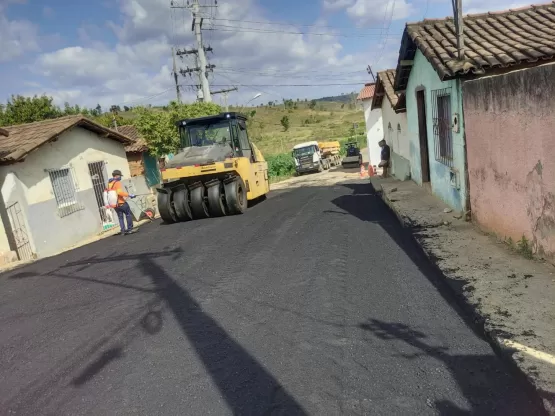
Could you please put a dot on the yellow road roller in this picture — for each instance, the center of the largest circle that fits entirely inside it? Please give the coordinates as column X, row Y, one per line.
column 216, row 171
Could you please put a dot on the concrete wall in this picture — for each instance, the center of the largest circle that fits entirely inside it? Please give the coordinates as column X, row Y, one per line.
column 374, row 131
column 510, row 129
column 395, row 132
column 29, row 184
column 423, row 76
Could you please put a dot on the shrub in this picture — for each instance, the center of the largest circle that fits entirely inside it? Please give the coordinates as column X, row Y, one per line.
column 280, row 165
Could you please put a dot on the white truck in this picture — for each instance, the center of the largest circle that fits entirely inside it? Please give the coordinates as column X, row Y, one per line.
column 315, row 157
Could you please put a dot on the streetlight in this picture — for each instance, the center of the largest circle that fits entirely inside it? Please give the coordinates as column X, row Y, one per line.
column 254, row 98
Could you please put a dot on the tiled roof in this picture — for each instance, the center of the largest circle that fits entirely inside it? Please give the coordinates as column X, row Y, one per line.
column 367, row 92
column 139, row 144
column 3, row 132
column 491, row 40
column 384, row 88
column 24, row 138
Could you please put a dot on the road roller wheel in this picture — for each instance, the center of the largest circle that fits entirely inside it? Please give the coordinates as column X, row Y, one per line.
column 198, row 204
column 216, row 200
column 181, row 205
column 236, row 196
column 165, row 208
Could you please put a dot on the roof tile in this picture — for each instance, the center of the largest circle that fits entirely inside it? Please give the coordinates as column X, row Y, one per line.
column 139, row 144
column 367, row 92
column 24, row 138
column 384, row 87
column 492, row 40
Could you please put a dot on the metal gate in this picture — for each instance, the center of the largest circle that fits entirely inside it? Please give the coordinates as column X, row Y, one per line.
column 22, row 243
column 98, row 178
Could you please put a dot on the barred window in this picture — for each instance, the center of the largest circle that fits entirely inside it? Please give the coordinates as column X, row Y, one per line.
column 441, row 107
column 65, row 191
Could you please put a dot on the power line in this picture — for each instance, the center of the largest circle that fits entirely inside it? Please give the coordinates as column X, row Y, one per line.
column 290, row 85
column 286, row 24
column 238, row 29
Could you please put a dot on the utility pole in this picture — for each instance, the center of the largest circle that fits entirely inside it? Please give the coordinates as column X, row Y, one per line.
column 202, row 66
column 369, row 70
column 458, row 17
column 177, row 90
column 197, row 22
column 225, row 93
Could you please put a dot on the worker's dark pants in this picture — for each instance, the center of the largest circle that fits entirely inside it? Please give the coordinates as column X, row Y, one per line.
column 124, row 210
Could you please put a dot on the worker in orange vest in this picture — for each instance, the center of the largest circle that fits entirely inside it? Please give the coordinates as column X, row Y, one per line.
column 121, row 206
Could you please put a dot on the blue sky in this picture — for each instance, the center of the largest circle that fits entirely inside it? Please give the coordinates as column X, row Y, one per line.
column 118, row 52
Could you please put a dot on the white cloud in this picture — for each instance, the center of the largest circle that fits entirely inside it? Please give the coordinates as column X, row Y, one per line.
column 476, row 6
column 333, row 5
column 371, row 12
column 365, row 12
column 138, row 69
column 17, row 37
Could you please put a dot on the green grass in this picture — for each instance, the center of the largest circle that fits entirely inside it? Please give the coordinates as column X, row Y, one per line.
column 327, row 121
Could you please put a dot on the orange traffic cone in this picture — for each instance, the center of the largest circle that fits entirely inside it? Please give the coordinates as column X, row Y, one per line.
column 363, row 172
column 370, row 170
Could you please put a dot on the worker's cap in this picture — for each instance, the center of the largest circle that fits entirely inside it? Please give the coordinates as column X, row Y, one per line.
column 117, row 172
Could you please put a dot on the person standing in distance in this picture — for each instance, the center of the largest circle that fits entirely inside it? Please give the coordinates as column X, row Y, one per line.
column 385, row 157
column 122, row 208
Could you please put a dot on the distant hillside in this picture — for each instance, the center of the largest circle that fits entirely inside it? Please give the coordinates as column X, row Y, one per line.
column 344, row 98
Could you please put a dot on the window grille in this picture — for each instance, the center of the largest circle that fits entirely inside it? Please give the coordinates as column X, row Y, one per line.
column 443, row 137
column 65, row 190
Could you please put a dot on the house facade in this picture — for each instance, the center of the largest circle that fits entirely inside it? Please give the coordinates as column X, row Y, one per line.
column 52, row 175
column 373, row 122
column 510, row 125
column 394, row 122
column 434, row 112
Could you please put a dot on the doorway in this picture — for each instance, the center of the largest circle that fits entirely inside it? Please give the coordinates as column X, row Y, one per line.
column 98, row 178
column 423, row 135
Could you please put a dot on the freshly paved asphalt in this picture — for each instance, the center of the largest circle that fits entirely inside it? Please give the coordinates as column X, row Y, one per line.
column 313, row 302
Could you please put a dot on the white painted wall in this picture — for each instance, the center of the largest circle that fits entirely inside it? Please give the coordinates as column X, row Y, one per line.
column 374, row 131
column 76, row 148
column 29, row 183
column 397, row 140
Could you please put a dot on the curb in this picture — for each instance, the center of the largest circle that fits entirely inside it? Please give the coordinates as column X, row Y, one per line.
column 502, row 351
column 101, row 236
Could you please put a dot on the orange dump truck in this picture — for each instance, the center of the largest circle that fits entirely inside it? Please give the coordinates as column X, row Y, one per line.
column 330, row 152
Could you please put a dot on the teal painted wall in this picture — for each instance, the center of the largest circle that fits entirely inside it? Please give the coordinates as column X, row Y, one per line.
column 423, row 75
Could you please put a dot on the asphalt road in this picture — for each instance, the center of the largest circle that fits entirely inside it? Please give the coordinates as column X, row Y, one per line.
column 313, row 302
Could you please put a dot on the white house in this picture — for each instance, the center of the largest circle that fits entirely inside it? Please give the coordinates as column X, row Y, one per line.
column 52, row 175
column 394, row 118
column 373, row 121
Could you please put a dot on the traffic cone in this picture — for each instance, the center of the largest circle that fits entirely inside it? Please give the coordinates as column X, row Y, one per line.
column 363, row 172
column 370, row 170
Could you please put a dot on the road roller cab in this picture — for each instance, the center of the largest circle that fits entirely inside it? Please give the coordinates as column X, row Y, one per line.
column 216, row 171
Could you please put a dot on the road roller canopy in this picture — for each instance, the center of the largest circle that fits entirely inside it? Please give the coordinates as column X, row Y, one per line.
column 211, row 139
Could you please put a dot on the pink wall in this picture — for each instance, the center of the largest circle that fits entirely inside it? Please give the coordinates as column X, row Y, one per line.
column 510, row 138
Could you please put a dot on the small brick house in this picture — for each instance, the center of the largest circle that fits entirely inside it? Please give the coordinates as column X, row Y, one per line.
column 141, row 162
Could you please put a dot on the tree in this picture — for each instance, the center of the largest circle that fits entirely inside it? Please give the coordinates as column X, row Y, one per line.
column 312, row 104
column 98, row 109
column 158, row 127
column 285, row 123
column 125, row 108
column 20, row 110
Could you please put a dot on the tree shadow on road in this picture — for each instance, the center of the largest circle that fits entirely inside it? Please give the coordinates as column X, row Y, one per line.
column 366, row 204
column 486, row 394
column 244, row 383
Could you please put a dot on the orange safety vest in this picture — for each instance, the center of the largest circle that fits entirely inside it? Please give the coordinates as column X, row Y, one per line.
column 116, row 186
